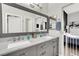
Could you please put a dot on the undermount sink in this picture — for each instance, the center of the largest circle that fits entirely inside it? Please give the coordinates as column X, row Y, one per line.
column 21, row 43
column 47, row 37
column 40, row 38
column 16, row 44
column 35, row 39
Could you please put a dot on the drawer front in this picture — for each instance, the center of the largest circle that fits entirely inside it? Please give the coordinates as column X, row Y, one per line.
column 24, row 52
column 53, row 47
column 32, row 51
column 42, row 49
column 43, row 53
column 18, row 53
column 42, row 46
column 55, row 51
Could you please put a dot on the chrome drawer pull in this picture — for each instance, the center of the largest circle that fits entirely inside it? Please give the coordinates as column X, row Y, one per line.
column 43, row 53
column 43, row 45
column 22, row 54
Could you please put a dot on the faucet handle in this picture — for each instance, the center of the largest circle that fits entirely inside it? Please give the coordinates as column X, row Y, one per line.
column 14, row 39
column 21, row 38
column 18, row 38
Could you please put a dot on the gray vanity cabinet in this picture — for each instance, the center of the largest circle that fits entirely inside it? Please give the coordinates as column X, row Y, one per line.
column 42, row 49
column 54, row 46
column 49, row 48
column 22, row 52
column 31, row 51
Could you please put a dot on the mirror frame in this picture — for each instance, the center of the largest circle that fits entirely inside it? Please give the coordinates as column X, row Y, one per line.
column 25, row 9
column 51, row 18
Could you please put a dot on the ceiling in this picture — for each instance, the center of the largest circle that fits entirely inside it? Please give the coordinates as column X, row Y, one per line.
column 36, row 8
column 72, row 8
column 54, row 9
column 48, row 8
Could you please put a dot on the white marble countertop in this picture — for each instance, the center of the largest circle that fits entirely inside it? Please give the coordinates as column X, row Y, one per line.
column 26, row 45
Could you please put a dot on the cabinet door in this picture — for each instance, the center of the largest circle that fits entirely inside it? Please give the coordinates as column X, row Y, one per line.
column 50, row 49
column 31, row 51
column 55, row 48
column 42, row 49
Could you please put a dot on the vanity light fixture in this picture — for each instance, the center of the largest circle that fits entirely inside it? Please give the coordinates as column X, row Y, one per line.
column 37, row 5
column 53, row 18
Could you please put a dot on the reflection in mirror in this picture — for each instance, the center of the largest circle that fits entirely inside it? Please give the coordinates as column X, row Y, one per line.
column 26, row 25
column 45, row 25
column 19, row 21
column 52, row 24
column 37, row 25
column 14, row 24
column 41, row 23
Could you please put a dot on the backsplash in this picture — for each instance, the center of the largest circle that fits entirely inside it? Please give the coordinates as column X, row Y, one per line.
column 5, row 41
column 19, row 38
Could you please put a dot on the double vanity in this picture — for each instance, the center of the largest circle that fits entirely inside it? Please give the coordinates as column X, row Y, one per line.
column 17, row 20
column 42, row 46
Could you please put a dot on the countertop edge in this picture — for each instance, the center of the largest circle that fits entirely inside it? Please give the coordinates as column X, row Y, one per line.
column 6, row 51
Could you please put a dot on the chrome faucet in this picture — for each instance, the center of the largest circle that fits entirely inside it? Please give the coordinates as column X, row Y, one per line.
column 14, row 39
column 18, row 38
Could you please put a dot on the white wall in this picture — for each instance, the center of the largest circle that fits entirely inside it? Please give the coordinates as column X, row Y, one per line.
column 72, row 8
column 55, row 9
column 44, row 9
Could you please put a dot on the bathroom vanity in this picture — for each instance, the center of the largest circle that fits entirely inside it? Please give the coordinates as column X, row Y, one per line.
column 22, row 21
column 43, row 46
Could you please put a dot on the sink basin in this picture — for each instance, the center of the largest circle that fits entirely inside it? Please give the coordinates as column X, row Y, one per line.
column 40, row 38
column 47, row 37
column 20, row 43
column 35, row 40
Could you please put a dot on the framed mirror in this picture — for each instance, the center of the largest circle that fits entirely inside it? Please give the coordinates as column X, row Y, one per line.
column 19, row 20
column 52, row 23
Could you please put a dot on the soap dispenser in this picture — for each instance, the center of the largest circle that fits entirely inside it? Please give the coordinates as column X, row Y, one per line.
column 58, row 25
